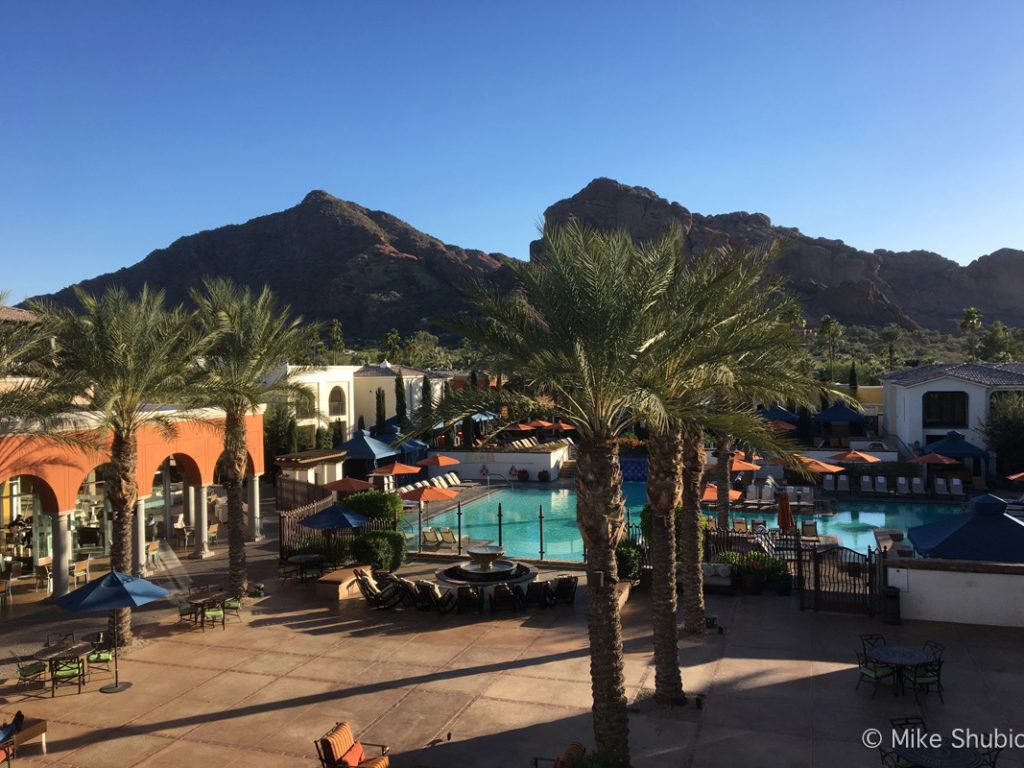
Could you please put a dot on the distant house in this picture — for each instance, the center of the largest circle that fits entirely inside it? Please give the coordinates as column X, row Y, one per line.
column 923, row 404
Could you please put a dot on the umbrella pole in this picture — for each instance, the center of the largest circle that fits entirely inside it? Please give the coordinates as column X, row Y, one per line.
column 118, row 686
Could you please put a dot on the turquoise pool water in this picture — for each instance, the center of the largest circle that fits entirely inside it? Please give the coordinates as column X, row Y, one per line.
column 853, row 522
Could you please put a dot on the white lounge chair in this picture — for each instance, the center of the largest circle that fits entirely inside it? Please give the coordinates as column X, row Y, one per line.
column 843, row 484
column 902, row 487
column 882, row 486
column 431, row 538
column 917, row 486
column 956, row 486
column 865, row 485
column 828, row 483
column 460, row 483
column 941, row 489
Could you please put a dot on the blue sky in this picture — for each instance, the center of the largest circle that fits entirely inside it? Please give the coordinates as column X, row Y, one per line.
column 126, row 125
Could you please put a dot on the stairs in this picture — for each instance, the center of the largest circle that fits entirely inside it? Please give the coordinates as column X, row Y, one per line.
column 568, row 468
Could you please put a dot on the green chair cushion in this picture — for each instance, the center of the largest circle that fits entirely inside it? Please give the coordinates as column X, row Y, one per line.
column 100, row 656
column 880, row 671
column 922, row 677
column 66, row 672
column 29, row 670
column 214, row 612
column 234, row 604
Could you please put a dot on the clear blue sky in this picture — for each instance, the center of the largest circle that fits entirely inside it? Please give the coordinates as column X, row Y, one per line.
column 126, row 125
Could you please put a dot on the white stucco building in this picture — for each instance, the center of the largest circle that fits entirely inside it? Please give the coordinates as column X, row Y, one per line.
column 923, row 404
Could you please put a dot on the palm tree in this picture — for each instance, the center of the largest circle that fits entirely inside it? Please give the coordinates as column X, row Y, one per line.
column 577, row 331
column 890, row 336
column 970, row 325
column 118, row 358
column 723, row 448
column 831, row 331
column 249, row 337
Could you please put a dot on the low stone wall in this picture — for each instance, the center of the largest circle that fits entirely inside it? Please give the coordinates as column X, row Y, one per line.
column 959, row 591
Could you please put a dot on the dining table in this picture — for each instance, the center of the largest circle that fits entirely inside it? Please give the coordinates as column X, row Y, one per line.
column 67, row 649
column 304, row 562
column 900, row 658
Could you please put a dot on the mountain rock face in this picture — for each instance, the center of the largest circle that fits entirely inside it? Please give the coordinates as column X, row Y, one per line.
column 329, row 258
column 827, row 276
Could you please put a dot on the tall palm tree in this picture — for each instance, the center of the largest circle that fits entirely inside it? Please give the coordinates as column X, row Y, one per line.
column 119, row 357
column 723, row 447
column 577, row 331
column 970, row 325
column 249, row 338
column 831, row 331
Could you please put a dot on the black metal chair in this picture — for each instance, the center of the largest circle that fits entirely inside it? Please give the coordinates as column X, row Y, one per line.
column 66, row 672
column 935, row 649
column 873, row 673
column 565, row 589
column 56, row 638
column 539, row 593
column 388, row 597
column 102, row 653
column 504, row 596
column 470, row 598
column 431, row 598
column 926, row 678
column 867, row 642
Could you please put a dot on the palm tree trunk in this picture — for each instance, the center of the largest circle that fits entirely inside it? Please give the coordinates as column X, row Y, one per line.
column 122, row 492
column 600, row 514
column 723, row 446
column 233, row 467
column 664, row 495
column 691, row 544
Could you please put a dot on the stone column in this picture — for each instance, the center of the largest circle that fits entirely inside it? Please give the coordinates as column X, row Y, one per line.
column 188, row 497
column 168, row 505
column 255, row 522
column 61, row 552
column 139, row 539
column 202, row 545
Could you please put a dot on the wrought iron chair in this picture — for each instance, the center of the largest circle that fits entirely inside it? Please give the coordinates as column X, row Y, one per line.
column 867, row 642
column 66, row 672
column 539, row 593
column 925, row 677
column 432, row 598
column 102, row 654
column 873, row 673
column 565, row 589
column 935, row 649
column 470, row 598
column 29, row 671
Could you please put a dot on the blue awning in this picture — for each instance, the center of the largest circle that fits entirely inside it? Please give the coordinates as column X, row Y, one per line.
column 778, row 413
column 955, row 446
column 839, row 412
column 367, row 448
column 985, row 533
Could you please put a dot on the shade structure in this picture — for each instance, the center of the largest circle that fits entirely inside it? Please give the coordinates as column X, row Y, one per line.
column 778, row 413
column 786, row 521
column 438, row 460
column 540, row 424
column 348, row 485
column 955, row 446
column 741, row 465
column 839, row 412
column 855, row 457
column 335, row 518
column 398, row 468
column 367, row 448
column 934, row 458
column 711, row 493
column 985, row 533
column 428, row 493
column 819, row 467
column 1016, row 476
column 113, row 591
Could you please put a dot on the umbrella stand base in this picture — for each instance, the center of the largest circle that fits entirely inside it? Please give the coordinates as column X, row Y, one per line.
column 115, row 688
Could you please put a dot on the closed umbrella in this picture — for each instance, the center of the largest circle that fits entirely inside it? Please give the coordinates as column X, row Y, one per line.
column 786, row 521
column 115, row 590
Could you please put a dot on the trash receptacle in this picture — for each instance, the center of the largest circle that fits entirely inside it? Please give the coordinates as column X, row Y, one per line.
column 890, row 605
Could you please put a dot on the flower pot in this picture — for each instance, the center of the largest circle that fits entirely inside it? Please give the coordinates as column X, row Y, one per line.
column 751, row 583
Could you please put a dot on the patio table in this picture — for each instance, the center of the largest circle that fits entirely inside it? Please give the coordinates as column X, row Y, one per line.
column 303, row 561
column 70, row 649
column 945, row 756
column 899, row 657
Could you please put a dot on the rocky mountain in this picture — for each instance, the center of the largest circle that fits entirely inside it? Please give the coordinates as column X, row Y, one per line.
column 329, row 258
column 909, row 288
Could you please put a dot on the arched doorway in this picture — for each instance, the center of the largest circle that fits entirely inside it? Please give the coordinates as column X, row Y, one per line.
column 337, row 411
column 28, row 506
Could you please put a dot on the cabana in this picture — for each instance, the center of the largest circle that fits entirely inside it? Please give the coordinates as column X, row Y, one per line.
column 985, row 533
column 778, row 413
column 955, row 446
column 365, row 453
column 839, row 422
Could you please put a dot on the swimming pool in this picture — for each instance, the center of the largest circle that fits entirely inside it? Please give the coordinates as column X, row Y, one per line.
column 852, row 524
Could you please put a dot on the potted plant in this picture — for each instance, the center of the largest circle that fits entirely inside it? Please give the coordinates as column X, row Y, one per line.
column 543, row 476
column 754, row 570
column 523, row 475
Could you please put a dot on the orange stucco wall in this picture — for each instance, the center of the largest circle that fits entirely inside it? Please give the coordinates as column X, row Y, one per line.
column 63, row 469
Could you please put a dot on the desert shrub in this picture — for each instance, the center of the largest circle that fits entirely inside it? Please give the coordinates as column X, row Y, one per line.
column 382, row 550
column 628, row 559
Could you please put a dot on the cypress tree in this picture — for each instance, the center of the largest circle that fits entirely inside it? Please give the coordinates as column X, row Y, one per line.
column 381, row 415
column 401, row 409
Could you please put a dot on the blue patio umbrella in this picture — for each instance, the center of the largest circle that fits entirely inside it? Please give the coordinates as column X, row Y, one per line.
column 115, row 590
column 334, row 518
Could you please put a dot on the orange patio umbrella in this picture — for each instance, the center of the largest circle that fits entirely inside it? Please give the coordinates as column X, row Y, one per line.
column 782, row 426
column 398, row 468
column 519, row 428
column 348, row 485
column 1016, row 476
column 786, row 521
column 439, row 460
column 855, row 457
column 540, row 424
column 711, row 493
column 820, row 467
column 934, row 458
column 427, row 493
column 564, row 427
column 741, row 465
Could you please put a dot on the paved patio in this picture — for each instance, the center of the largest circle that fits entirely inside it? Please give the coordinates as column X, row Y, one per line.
column 779, row 685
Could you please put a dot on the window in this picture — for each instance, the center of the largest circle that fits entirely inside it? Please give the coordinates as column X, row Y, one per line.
column 336, row 402
column 944, row 409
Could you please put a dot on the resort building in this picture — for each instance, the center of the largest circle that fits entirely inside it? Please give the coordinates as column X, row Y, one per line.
column 922, row 405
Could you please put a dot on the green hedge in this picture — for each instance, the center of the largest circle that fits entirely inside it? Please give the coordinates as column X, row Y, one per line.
column 376, row 505
column 627, row 557
column 382, row 550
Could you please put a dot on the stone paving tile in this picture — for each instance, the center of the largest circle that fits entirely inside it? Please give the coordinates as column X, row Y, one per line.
column 121, row 752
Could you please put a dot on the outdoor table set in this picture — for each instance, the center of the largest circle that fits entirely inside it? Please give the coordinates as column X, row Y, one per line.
column 66, row 661
column 881, row 662
column 309, row 565
column 901, row 658
column 209, row 605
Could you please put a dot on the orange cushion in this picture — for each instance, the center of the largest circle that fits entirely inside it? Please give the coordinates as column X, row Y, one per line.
column 376, row 762
column 337, row 742
column 354, row 756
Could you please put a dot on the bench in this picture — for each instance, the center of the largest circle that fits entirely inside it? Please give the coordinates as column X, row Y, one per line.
column 31, row 729
column 339, row 585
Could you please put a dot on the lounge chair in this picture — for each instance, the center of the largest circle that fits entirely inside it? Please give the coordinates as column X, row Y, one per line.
column 539, row 593
column 460, row 483
column 431, row 598
column 941, row 489
column 866, row 488
column 470, row 598
column 902, row 487
column 431, row 538
column 882, row 486
column 740, row 524
column 338, row 748
column 828, row 483
column 809, row 529
column 843, row 484
column 917, row 486
column 448, row 537
column 388, row 597
column 956, row 487
column 565, row 589
column 504, row 596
